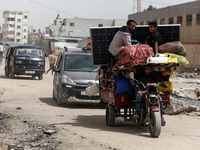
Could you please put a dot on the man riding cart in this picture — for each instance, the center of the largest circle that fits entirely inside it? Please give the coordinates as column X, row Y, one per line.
column 137, row 86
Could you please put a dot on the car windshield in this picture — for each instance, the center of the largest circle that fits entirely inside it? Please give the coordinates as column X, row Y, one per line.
column 82, row 63
column 29, row 52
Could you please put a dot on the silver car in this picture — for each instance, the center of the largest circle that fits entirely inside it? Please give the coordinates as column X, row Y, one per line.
column 74, row 72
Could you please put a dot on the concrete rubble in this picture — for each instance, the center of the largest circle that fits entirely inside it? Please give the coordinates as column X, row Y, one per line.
column 26, row 136
column 192, row 93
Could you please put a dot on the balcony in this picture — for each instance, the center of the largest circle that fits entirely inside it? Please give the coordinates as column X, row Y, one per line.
column 10, row 22
column 10, row 29
column 8, row 15
column 11, row 35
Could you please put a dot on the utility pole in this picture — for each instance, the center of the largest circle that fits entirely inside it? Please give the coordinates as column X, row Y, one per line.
column 136, row 6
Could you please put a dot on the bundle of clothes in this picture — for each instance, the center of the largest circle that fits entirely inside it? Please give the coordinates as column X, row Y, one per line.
column 171, row 52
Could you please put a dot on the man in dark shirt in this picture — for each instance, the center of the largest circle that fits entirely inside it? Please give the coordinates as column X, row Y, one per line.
column 154, row 39
column 146, row 76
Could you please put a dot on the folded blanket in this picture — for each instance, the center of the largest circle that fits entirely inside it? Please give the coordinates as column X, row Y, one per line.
column 139, row 54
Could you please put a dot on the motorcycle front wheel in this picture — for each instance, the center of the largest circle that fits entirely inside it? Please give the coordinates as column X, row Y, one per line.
column 155, row 124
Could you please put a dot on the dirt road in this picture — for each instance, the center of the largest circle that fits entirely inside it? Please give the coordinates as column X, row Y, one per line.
column 28, row 108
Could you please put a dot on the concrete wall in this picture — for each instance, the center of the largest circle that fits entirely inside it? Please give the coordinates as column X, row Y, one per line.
column 192, row 55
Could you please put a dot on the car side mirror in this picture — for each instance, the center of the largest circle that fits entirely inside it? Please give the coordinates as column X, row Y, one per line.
column 55, row 69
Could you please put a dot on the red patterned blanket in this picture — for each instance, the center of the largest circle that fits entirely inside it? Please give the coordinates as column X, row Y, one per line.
column 138, row 53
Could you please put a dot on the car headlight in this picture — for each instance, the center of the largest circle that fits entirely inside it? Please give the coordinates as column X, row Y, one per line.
column 67, row 80
column 18, row 61
column 41, row 63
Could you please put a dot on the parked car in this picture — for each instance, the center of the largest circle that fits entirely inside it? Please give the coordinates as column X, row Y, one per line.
column 22, row 59
column 74, row 72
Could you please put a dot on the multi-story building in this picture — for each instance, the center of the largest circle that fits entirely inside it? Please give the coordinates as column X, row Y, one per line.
column 15, row 27
column 79, row 27
column 74, row 32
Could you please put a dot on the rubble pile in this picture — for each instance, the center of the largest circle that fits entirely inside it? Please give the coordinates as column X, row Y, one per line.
column 192, row 93
column 23, row 134
column 188, row 75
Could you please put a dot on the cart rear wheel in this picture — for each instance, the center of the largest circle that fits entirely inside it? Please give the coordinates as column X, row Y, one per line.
column 155, row 124
column 110, row 115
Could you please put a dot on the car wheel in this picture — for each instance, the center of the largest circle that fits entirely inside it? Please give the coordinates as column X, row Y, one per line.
column 6, row 73
column 40, row 76
column 59, row 102
column 54, row 98
column 33, row 77
column 12, row 75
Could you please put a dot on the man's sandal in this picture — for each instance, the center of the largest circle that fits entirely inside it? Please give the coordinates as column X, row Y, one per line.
column 163, row 123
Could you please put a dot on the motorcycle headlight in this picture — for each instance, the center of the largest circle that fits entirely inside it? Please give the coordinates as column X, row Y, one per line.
column 67, row 80
column 41, row 63
column 18, row 61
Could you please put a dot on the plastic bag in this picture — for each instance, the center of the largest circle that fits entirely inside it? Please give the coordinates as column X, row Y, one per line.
column 180, row 59
column 172, row 47
column 123, row 86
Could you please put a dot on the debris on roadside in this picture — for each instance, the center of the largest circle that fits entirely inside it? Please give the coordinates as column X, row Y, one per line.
column 19, row 108
column 50, row 132
column 187, row 75
column 26, row 134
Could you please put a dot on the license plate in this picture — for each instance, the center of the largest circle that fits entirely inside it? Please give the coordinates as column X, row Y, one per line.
column 31, row 72
column 83, row 93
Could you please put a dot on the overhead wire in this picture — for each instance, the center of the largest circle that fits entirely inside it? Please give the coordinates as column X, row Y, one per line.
column 61, row 11
column 53, row 8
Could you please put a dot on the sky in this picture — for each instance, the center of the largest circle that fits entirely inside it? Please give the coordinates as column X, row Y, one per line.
column 42, row 13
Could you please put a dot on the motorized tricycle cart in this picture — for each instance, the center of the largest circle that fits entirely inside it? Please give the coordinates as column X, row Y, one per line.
column 123, row 104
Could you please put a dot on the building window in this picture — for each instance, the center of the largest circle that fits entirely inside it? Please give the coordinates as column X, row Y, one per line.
column 171, row 20
column 18, row 40
column 188, row 20
column 179, row 19
column 18, row 27
column 11, row 25
column 11, row 19
column 25, row 36
column 198, row 19
column 162, row 21
column 18, row 34
column 72, row 24
column 11, row 32
column 24, row 30
column 25, row 17
column 100, row 25
column 18, row 20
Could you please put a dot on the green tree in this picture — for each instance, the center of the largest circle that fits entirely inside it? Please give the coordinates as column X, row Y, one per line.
column 150, row 8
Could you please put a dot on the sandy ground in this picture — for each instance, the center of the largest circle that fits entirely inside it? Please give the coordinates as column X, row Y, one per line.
column 28, row 110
